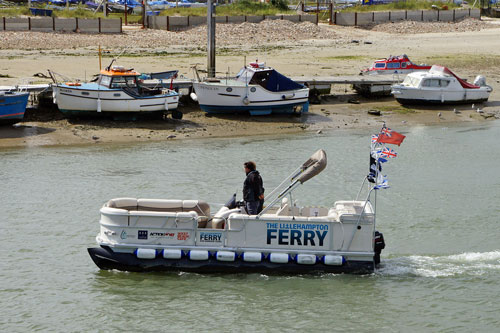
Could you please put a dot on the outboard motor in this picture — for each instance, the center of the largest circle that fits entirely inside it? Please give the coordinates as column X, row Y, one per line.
column 480, row 81
column 231, row 203
column 379, row 246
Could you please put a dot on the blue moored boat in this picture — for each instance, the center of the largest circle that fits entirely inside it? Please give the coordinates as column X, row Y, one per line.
column 12, row 106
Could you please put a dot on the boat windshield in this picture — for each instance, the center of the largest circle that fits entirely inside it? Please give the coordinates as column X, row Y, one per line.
column 104, row 80
column 124, row 81
column 410, row 81
column 244, row 75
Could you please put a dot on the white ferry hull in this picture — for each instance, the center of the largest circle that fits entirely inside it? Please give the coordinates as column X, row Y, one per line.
column 164, row 235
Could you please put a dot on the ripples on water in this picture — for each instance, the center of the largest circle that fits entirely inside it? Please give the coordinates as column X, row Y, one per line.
column 439, row 270
column 459, row 265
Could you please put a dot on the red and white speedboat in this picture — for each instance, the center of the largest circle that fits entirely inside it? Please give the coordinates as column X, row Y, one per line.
column 394, row 65
column 440, row 86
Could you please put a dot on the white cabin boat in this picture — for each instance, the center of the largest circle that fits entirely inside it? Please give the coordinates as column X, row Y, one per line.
column 257, row 89
column 183, row 235
column 440, row 86
column 117, row 92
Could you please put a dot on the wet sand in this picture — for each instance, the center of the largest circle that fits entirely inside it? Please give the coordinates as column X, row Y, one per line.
column 345, row 52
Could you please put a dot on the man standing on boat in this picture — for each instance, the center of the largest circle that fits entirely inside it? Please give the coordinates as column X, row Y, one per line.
column 253, row 190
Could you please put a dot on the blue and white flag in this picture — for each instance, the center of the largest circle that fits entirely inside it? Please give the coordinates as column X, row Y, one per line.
column 381, row 182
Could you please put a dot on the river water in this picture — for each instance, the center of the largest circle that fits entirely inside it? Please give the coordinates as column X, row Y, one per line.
column 440, row 218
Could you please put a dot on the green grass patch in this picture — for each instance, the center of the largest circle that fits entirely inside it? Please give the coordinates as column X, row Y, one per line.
column 238, row 8
column 79, row 11
column 15, row 11
column 402, row 5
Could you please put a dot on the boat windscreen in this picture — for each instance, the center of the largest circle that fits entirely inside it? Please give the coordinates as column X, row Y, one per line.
column 244, row 75
column 313, row 166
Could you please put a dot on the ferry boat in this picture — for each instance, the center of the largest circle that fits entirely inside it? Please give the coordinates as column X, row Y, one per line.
column 12, row 106
column 183, row 235
column 118, row 92
column 400, row 64
column 257, row 89
column 440, row 86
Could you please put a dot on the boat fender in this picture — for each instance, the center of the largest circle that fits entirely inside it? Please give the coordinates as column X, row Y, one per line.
column 145, row 253
column 99, row 105
column 198, row 255
column 279, row 258
column 172, row 254
column 193, row 97
column 225, row 255
column 252, row 256
column 287, row 96
column 54, row 97
column 306, row 259
column 166, row 104
column 332, row 260
column 246, row 101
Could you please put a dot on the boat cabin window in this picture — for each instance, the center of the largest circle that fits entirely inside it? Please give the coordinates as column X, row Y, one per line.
column 123, row 81
column 104, row 80
column 404, row 64
column 380, row 65
column 393, row 65
column 261, row 78
column 435, row 83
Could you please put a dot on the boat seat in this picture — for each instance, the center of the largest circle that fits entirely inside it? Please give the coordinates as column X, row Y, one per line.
column 159, row 205
column 123, row 203
column 201, row 208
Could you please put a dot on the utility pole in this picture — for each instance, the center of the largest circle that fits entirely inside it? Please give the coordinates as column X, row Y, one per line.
column 211, row 38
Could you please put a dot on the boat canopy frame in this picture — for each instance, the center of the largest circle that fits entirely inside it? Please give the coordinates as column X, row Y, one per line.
column 309, row 169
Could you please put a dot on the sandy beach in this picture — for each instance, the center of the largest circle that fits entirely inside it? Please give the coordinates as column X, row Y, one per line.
column 469, row 48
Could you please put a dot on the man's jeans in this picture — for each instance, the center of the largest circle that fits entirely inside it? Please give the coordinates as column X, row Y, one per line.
column 252, row 207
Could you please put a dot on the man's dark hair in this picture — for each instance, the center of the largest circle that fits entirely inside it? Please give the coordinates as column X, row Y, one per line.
column 250, row 165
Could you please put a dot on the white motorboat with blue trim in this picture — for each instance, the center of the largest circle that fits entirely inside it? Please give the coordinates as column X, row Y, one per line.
column 182, row 235
column 257, row 89
column 118, row 92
